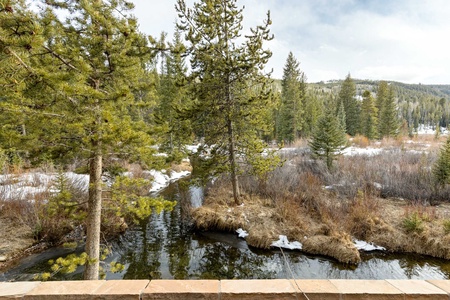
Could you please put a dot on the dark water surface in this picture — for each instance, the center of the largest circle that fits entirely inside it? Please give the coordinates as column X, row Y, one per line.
column 165, row 247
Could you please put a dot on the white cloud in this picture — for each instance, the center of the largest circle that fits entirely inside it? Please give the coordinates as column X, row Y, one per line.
column 404, row 40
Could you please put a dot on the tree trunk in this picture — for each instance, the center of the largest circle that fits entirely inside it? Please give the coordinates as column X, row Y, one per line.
column 232, row 157
column 92, row 247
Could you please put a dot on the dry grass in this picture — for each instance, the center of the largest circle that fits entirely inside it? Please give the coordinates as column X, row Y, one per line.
column 182, row 166
column 362, row 198
column 360, row 141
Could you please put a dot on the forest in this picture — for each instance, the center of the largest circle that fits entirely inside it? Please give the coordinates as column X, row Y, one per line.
column 90, row 94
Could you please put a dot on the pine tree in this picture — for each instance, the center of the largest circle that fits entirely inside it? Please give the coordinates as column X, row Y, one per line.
column 347, row 95
column 441, row 168
column 328, row 139
column 20, row 39
column 79, row 92
column 290, row 117
column 369, row 116
column 173, row 98
column 382, row 94
column 388, row 117
column 341, row 117
column 313, row 109
column 233, row 96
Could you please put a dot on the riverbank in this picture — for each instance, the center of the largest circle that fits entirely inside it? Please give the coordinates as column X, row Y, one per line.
column 22, row 195
column 330, row 226
column 16, row 241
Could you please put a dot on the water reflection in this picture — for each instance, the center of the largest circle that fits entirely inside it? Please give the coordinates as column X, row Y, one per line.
column 164, row 246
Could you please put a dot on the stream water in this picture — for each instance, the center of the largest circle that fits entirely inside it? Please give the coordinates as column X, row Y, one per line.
column 165, row 247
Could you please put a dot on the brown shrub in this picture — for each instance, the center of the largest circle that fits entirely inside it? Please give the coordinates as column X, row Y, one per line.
column 361, row 141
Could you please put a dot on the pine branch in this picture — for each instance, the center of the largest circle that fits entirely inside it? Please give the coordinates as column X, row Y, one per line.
column 61, row 59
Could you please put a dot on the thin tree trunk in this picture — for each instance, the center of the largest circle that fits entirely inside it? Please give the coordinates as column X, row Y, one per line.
column 92, row 247
column 232, row 157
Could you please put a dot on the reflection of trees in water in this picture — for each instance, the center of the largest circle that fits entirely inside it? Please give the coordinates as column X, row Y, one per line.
column 162, row 242
column 225, row 262
column 142, row 252
column 178, row 245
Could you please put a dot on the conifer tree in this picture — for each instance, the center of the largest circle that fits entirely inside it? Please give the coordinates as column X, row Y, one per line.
column 369, row 116
column 347, row 95
column 20, row 39
column 313, row 109
column 173, row 97
column 78, row 92
column 388, row 118
column 341, row 117
column 232, row 95
column 441, row 168
column 382, row 94
column 290, row 117
column 328, row 139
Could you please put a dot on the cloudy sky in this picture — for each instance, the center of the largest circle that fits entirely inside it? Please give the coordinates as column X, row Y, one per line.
column 401, row 40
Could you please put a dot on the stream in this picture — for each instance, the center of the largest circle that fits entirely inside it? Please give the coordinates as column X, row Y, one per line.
column 165, row 247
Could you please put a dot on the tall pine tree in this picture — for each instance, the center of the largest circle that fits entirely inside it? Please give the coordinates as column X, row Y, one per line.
column 77, row 89
column 233, row 96
column 173, row 97
column 389, row 124
column 293, row 92
column 369, row 116
column 347, row 96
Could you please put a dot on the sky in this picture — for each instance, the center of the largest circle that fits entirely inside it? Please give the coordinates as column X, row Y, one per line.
column 399, row 40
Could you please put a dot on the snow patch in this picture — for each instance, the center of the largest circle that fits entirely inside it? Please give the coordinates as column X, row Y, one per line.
column 242, row 233
column 27, row 186
column 351, row 151
column 162, row 180
column 365, row 246
column 283, row 242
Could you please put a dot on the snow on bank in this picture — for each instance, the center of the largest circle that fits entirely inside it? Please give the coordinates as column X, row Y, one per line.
column 283, row 242
column 365, row 246
column 242, row 233
column 162, row 180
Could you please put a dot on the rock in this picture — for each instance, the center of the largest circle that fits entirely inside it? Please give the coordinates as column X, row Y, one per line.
column 2, row 258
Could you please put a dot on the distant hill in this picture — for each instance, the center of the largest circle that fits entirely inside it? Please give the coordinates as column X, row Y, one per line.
column 416, row 91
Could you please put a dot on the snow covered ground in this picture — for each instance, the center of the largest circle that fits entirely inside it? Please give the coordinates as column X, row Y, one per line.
column 26, row 186
column 161, row 179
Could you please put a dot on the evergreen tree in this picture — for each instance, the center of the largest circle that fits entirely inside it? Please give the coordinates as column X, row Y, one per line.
column 313, row 109
column 388, row 117
column 341, row 117
column 20, row 39
column 232, row 95
column 382, row 94
column 290, row 117
column 347, row 95
column 78, row 89
column 173, row 97
column 328, row 139
column 441, row 169
column 369, row 116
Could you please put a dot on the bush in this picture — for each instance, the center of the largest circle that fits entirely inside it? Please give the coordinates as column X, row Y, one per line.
column 413, row 223
column 361, row 141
